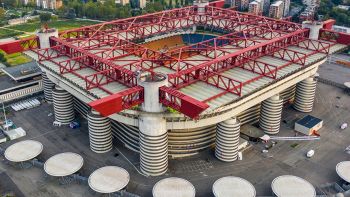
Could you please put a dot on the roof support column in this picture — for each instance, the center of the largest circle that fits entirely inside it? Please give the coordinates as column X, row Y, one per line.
column 100, row 132
column 152, row 126
column 305, row 95
column 227, row 139
column 44, row 37
column 63, row 105
column 270, row 115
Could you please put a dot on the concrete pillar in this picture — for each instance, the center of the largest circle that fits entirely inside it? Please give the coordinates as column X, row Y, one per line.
column 100, row 132
column 44, row 37
column 152, row 126
column 227, row 140
column 314, row 27
column 270, row 114
column 48, row 86
column 63, row 105
column 305, row 95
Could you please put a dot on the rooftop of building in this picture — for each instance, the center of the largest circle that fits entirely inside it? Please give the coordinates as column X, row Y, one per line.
column 277, row 3
column 7, row 84
column 309, row 121
column 23, row 71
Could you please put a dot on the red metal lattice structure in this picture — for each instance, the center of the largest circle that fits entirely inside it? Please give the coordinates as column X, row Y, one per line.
column 106, row 48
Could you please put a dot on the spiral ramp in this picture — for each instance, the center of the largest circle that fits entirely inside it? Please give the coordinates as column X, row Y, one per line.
column 288, row 94
column 100, row 133
column 227, row 140
column 270, row 115
column 48, row 86
column 154, row 154
column 63, row 105
column 305, row 95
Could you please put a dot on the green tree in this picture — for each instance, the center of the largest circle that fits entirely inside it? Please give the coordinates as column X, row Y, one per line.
column 90, row 9
column 78, row 7
column 10, row 3
column 2, row 14
column 44, row 19
column 2, row 56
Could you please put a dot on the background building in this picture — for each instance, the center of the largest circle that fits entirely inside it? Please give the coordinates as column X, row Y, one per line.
column 256, row 7
column 311, row 3
column 20, row 81
column 286, row 5
column 276, row 10
column 123, row 2
column 242, row 4
column 341, row 29
column 266, row 6
column 47, row 4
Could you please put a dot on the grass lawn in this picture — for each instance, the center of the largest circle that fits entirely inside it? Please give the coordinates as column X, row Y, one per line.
column 60, row 25
column 4, row 33
column 17, row 58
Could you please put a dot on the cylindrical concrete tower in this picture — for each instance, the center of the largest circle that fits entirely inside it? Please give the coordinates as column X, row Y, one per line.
column 63, row 105
column 305, row 95
column 227, row 140
column 44, row 40
column 48, row 86
column 270, row 114
column 152, row 126
column 100, row 132
column 314, row 27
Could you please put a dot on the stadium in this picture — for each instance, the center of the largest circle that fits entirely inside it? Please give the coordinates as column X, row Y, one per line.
column 173, row 83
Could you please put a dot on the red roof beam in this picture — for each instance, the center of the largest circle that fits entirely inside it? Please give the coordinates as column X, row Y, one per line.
column 181, row 102
column 19, row 45
column 119, row 101
column 316, row 46
column 222, row 82
column 290, row 55
column 255, row 51
column 129, row 21
column 99, row 64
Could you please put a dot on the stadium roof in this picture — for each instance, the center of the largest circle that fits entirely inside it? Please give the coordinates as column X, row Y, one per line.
column 254, row 51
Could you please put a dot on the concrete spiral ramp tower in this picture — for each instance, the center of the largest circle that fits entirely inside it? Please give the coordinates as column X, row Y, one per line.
column 305, row 95
column 227, row 140
column 100, row 132
column 63, row 105
column 48, row 86
column 153, row 132
column 270, row 115
column 154, row 154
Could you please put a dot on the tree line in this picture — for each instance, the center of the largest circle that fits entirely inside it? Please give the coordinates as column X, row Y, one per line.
column 329, row 9
column 108, row 9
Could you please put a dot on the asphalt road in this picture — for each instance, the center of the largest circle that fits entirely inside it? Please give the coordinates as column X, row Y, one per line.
column 335, row 72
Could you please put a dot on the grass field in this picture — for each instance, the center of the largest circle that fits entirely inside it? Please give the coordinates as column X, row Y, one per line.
column 17, row 58
column 60, row 25
column 4, row 33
